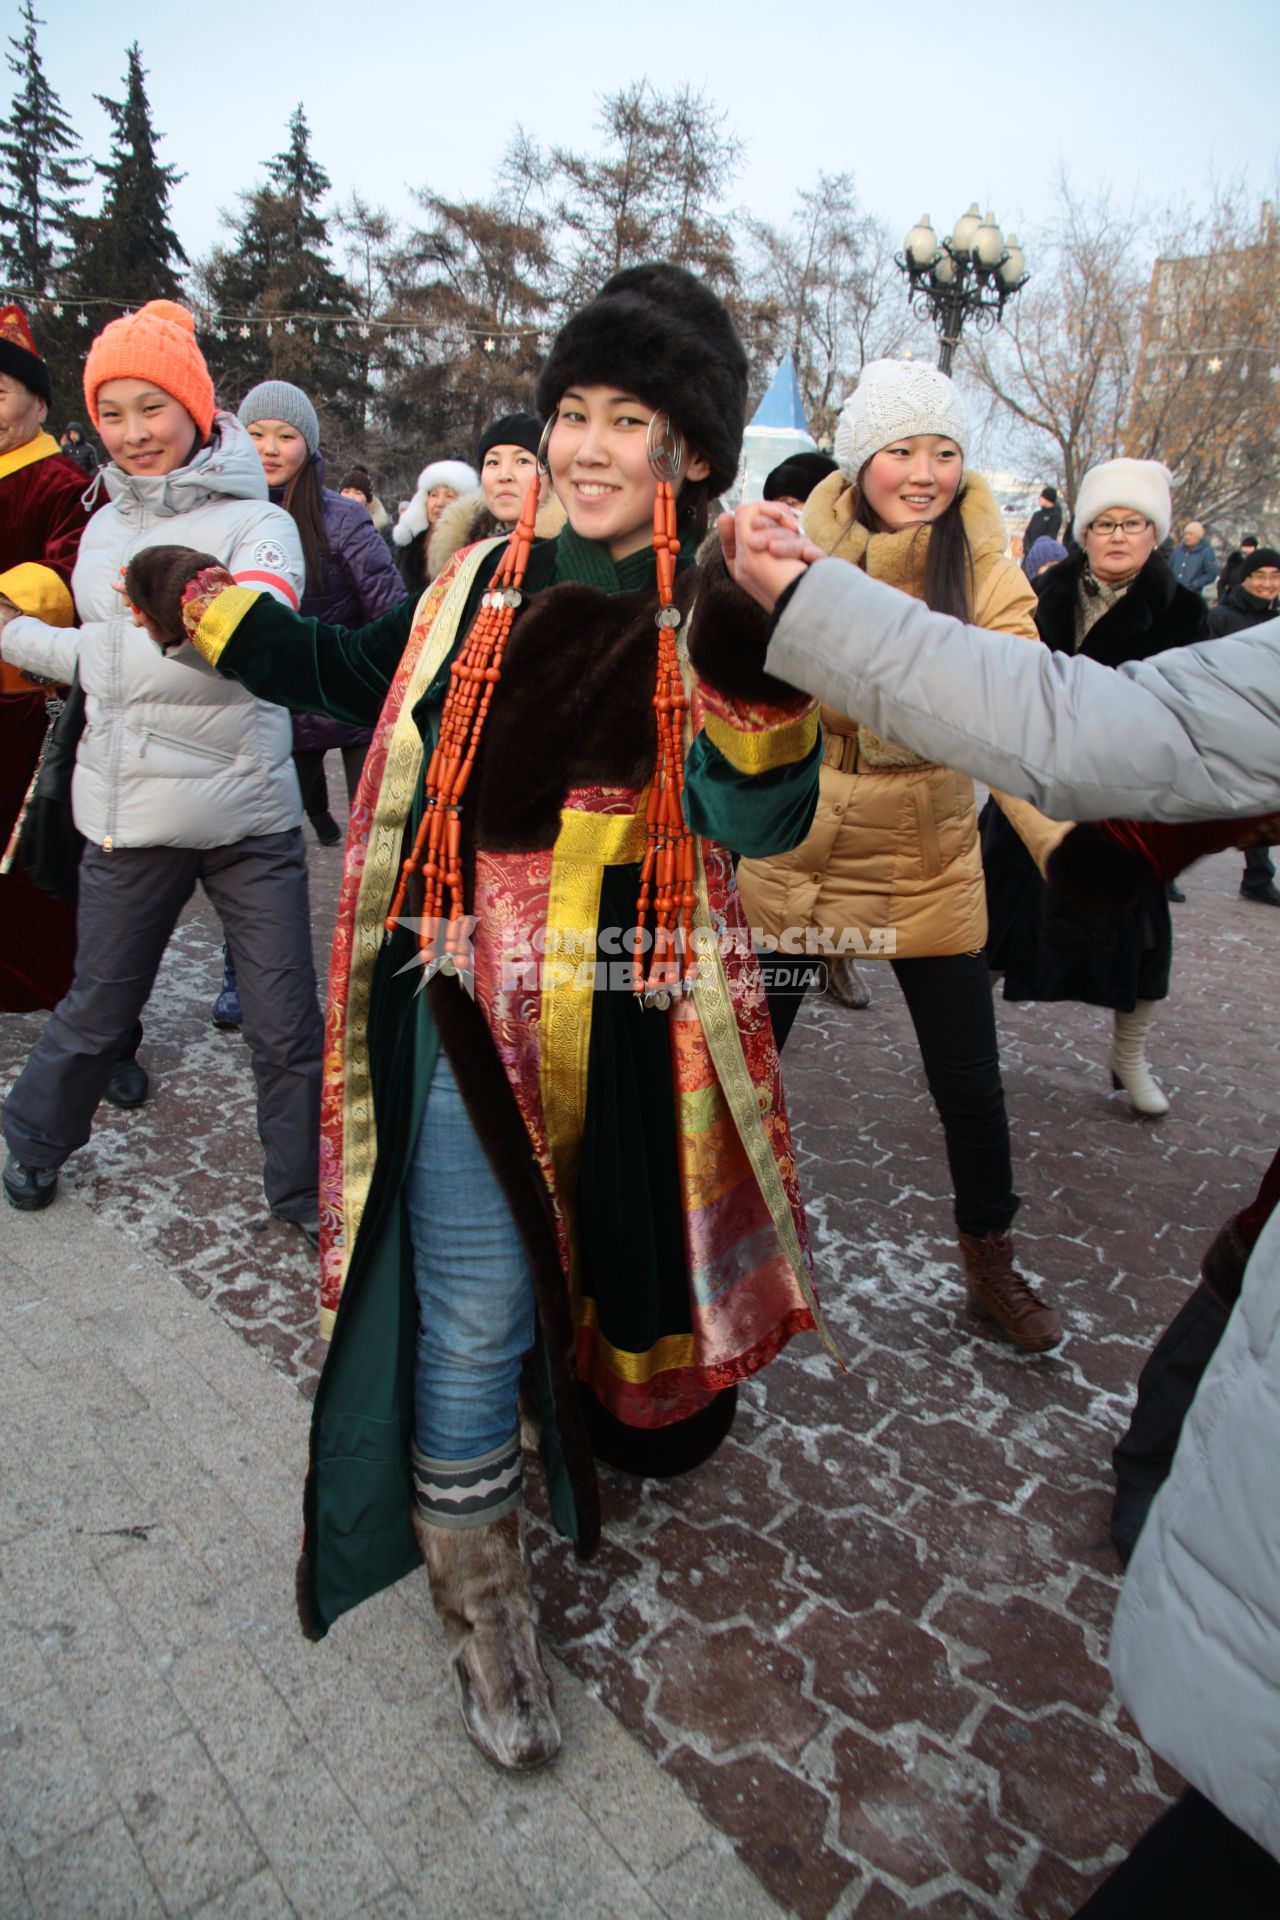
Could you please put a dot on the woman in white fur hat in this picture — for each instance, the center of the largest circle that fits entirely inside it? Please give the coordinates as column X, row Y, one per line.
column 1114, row 600
column 892, row 865
column 438, row 484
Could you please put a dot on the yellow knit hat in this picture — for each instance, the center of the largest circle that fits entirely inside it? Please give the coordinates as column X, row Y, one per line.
column 158, row 343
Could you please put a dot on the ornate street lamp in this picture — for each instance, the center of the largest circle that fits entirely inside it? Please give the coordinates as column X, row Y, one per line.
column 968, row 276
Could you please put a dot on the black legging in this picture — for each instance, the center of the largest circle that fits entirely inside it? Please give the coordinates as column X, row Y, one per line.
column 953, row 1012
column 311, row 777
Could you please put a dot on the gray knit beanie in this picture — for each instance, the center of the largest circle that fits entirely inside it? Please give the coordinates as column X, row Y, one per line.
column 279, row 400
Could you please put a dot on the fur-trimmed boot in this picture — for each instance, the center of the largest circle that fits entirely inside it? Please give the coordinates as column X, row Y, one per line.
column 480, row 1587
column 1129, row 1067
column 998, row 1291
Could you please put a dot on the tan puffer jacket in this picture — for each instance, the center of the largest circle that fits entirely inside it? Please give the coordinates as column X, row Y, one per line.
column 893, row 853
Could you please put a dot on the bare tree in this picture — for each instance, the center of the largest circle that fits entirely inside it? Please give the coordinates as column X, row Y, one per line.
column 1064, row 364
column 473, row 280
column 1207, row 396
column 654, row 191
column 824, row 286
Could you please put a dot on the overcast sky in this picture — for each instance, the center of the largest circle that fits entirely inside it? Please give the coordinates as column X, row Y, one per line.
column 929, row 106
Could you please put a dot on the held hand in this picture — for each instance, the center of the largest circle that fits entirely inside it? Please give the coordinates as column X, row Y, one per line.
column 151, row 627
column 765, row 549
column 156, row 583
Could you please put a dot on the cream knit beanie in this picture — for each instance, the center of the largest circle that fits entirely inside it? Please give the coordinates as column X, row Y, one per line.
column 1141, row 485
column 893, row 400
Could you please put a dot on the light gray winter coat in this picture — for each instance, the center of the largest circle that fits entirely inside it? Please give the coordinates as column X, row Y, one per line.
column 1193, row 734
column 173, row 755
column 1196, row 1648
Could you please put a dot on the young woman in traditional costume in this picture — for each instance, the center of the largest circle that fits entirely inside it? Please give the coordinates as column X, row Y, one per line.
column 531, row 1154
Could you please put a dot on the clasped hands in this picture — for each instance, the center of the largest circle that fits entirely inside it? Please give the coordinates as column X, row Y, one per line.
column 159, row 581
column 765, row 549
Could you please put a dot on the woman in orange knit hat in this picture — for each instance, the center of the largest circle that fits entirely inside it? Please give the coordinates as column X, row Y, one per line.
column 180, row 777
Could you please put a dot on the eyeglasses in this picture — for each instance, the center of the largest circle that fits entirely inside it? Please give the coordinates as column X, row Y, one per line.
column 1129, row 528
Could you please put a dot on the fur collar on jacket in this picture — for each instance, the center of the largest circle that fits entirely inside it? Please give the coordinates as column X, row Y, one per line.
column 467, row 519
column 1154, row 615
column 899, row 558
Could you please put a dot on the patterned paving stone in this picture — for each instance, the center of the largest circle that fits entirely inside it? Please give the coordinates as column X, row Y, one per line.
column 868, row 1637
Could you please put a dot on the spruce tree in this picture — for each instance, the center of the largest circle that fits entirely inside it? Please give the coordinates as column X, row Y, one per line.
column 42, row 173
column 128, row 251
column 276, row 299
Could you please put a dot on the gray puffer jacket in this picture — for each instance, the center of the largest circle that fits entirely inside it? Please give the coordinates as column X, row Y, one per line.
column 173, row 755
column 1196, row 1648
column 1192, row 734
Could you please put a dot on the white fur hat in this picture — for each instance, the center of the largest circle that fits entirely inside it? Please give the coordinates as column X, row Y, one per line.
column 448, row 473
column 455, row 474
column 893, row 400
column 1141, row 485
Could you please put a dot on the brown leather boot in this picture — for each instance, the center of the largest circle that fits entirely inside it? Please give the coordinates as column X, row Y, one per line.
column 998, row 1291
column 481, row 1593
column 846, row 984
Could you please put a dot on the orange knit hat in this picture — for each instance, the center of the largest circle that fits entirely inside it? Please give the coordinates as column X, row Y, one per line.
column 158, row 343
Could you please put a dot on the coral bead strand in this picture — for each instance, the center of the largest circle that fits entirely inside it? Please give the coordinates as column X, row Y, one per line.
column 437, row 847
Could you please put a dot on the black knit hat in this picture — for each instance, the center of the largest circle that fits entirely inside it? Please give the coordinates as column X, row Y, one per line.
column 1264, row 557
column 18, row 355
column 658, row 332
column 1050, row 494
column 513, row 430
column 797, row 476
column 358, row 479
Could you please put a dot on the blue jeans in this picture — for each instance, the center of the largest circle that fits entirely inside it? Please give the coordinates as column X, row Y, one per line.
column 474, row 1286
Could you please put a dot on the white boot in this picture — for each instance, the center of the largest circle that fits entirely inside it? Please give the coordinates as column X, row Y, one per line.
column 1129, row 1067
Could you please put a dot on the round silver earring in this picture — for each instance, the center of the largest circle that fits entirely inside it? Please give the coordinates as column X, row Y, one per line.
column 545, row 442
column 665, row 449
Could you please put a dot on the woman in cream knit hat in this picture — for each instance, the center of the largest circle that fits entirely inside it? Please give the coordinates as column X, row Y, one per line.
column 892, row 862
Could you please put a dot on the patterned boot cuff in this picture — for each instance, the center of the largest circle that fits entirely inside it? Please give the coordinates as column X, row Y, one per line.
column 468, row 1493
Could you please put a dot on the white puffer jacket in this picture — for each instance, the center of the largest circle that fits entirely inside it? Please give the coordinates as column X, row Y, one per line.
column 172, row 755
column 1196, row 1648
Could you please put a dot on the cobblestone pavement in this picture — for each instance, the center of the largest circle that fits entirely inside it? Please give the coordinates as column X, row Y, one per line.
column 868, row 1639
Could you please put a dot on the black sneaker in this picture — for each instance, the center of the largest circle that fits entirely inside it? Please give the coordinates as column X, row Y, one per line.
column 1268, row 896
column 328, row 832
column 128, row 1085
column 30, row 1189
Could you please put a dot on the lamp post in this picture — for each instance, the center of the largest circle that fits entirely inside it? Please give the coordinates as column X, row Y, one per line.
column 969, row 275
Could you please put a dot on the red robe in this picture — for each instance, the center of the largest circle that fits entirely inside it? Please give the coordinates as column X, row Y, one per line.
column 42, row 517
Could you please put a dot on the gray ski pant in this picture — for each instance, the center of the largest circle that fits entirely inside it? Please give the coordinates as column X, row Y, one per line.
column 129, row 904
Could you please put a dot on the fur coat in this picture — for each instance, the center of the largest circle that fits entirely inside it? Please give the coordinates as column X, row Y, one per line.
column 468, row 519
column 1046, row 948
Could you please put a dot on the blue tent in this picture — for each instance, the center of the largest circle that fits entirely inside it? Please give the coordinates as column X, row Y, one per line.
column 777, row 430
column 782, row 405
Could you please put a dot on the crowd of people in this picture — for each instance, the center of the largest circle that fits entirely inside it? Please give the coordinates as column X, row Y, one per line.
column 608, row 767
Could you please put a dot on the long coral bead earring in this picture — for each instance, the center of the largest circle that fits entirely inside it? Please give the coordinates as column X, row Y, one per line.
column 667, row 873
column 437, row 848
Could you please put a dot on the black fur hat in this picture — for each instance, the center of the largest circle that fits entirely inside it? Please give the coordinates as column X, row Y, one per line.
column 657, row 331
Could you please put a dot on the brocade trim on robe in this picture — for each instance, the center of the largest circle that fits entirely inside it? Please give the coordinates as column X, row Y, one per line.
column 743, row 1221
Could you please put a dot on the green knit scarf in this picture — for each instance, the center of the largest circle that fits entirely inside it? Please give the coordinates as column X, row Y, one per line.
column 588, row 563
